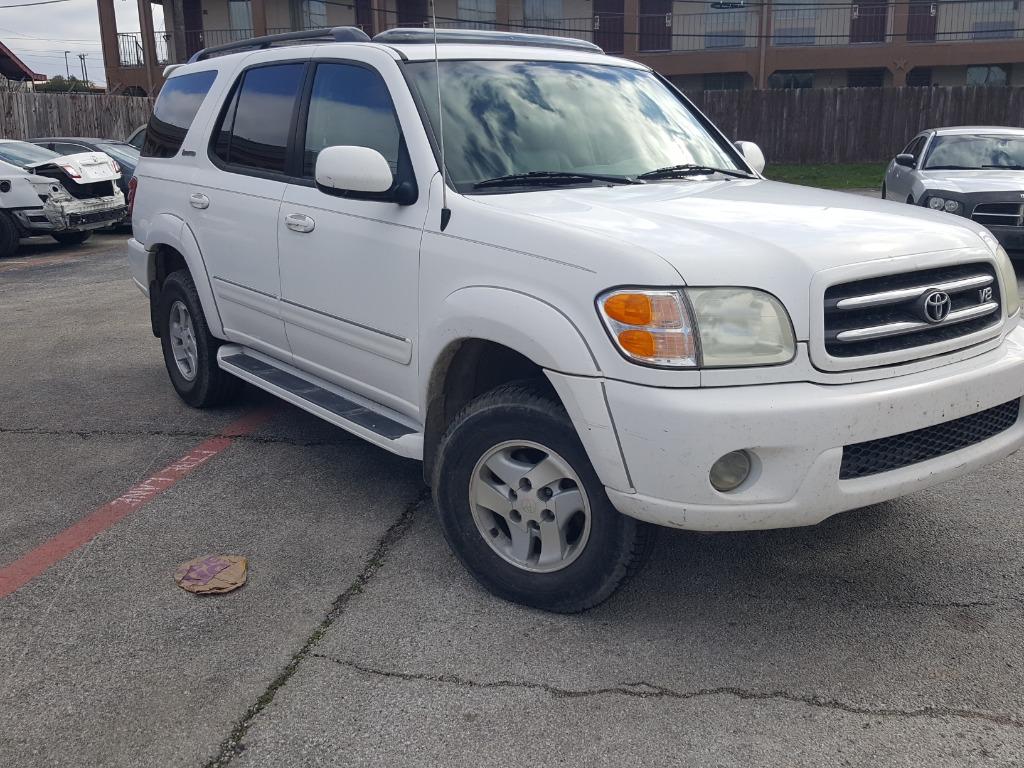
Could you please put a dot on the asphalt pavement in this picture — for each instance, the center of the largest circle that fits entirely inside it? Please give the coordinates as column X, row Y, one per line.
column 886, row 636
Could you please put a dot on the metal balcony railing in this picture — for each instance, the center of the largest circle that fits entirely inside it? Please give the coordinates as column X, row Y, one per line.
column 730, row 24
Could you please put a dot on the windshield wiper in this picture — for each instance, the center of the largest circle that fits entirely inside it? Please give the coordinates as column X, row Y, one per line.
column 1006, row 167
column 951, row 168
column 689, row 169
column 540, row 178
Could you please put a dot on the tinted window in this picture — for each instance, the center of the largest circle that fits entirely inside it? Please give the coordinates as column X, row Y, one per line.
column 350, row 106
column 175, row 108
column 69, row 149
column 255, row 126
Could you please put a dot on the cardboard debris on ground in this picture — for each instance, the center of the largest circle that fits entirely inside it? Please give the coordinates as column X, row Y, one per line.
column 212, row 574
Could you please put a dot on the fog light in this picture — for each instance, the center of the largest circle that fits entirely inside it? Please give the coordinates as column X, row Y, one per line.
column 729, row 472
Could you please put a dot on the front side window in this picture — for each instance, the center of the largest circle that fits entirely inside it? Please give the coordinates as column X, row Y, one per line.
column 512, row 117
column 350, row 106
column 254, row 128
column 174, row 111
column 976, row 152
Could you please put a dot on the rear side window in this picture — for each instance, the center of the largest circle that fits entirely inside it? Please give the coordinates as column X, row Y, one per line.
column 254, row 129
column 176, row 107
column 350, row 105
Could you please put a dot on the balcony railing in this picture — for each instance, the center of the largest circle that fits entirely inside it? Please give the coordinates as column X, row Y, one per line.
column 731, row 25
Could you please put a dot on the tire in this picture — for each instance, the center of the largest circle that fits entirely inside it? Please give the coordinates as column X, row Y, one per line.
column 586, row 548
column 8, row 236
column 71, row 238
column 190, row 351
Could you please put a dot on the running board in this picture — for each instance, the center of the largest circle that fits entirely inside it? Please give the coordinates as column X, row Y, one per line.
column 370, row 421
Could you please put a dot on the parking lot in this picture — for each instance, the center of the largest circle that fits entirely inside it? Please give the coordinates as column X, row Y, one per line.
column 886, row 636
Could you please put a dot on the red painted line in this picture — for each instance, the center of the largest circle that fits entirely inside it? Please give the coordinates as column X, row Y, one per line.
column 19, row 573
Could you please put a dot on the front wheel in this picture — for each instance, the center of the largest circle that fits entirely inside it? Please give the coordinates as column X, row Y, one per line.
column 71, row 238
column 523, row 509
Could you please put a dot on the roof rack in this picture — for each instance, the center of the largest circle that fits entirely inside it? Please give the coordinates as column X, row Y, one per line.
column 336, row 35
column 407, row 35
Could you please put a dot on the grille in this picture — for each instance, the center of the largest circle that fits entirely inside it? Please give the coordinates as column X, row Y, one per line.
column 999, row 214
column 874, row 456
column 891, row 313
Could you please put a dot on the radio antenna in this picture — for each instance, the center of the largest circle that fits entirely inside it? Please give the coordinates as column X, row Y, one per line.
column 446, row 213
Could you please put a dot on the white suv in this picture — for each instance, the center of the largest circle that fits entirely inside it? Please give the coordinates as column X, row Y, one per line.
column 600, row 316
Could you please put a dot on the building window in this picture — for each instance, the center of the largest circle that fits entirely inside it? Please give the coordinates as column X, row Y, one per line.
column 793, row 36
column 791, row 80
column 919, row 76
column 477, row 14
column 308, row 14
column 542, row 10
column 865, row 78
column 725, row 81
column 240, row 19
column 991, row 74
column 733, row 38
column 992, row 30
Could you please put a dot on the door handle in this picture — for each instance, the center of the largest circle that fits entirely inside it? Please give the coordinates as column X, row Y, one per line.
column 198, row 200
column 299, row 222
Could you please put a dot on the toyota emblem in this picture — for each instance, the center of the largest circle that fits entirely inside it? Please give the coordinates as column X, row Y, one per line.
column 936, row 306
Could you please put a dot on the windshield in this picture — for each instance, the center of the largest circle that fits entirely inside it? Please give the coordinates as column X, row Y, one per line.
column 22, row 153
column 975, row 152
column 515, row 117
column 123, row 153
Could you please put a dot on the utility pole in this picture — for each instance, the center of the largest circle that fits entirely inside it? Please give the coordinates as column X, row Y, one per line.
column 67, row 69
column 81, row 58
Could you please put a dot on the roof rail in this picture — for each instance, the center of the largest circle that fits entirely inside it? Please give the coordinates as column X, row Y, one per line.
column 407, row 35
column 336, row 35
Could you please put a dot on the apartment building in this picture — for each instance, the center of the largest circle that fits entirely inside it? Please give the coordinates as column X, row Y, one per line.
column 699, row 44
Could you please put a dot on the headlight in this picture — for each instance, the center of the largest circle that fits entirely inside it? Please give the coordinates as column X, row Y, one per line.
column 1007, row 274
column 944, row 204
column 736, row 327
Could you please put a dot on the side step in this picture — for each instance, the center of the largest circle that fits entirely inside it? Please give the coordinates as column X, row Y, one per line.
column 371, row 421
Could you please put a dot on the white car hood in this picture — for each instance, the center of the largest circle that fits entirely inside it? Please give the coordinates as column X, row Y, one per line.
column 968, row 182
column 754, row 232
column 90, row 166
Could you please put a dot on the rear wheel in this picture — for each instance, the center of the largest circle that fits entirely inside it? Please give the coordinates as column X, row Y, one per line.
column 8, row 236
column 71, row 238
column 523, row 509
column 190, row 351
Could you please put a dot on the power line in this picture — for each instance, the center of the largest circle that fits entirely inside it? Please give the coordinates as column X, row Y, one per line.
column 40, row 2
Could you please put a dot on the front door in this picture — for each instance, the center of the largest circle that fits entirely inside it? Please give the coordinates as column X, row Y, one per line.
column 921, row 22
column 350, row 267
column 655, row 25
column 869, row 21
column 608, row 25
column 412, row 13
column 245, row 183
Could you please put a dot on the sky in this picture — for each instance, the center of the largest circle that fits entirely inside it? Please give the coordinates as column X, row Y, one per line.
column 40, row 34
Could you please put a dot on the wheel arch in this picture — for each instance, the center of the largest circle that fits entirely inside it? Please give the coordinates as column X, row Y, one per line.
column 488, row 336
column 172, row 246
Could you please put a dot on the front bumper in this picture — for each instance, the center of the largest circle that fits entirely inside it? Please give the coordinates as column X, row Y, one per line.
column 1011, row 238
column 669, row 439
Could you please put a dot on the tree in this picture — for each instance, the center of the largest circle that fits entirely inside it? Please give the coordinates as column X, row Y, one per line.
column 60, row 84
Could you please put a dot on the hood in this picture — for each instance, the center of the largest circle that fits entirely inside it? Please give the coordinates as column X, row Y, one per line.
column 83, row 167
column 968, row 182
column 755, row 233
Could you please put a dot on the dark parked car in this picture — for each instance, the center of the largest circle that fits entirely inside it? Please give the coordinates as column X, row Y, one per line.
column 125, row 154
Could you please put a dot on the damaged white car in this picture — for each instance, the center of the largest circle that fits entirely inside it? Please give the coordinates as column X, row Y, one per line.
column 64, row 196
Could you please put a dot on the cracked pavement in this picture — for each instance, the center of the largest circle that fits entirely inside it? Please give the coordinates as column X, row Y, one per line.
column 886, row 636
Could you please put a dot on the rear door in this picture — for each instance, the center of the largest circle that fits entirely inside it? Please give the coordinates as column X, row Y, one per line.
column 235, row 198
column 349, row 273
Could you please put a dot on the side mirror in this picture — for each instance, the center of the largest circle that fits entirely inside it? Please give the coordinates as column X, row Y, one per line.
column 752, row 154
column 907, row 161
column 358, row 170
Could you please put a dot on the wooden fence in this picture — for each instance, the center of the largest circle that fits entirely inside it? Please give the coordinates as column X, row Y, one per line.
column 32, row 115
column 845, row 125
column 827, row 125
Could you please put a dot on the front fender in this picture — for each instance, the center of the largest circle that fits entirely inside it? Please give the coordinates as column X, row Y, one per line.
column 172, row 232
column 530, row 326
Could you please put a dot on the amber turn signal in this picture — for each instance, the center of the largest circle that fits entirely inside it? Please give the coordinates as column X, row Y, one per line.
column 629, row 308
